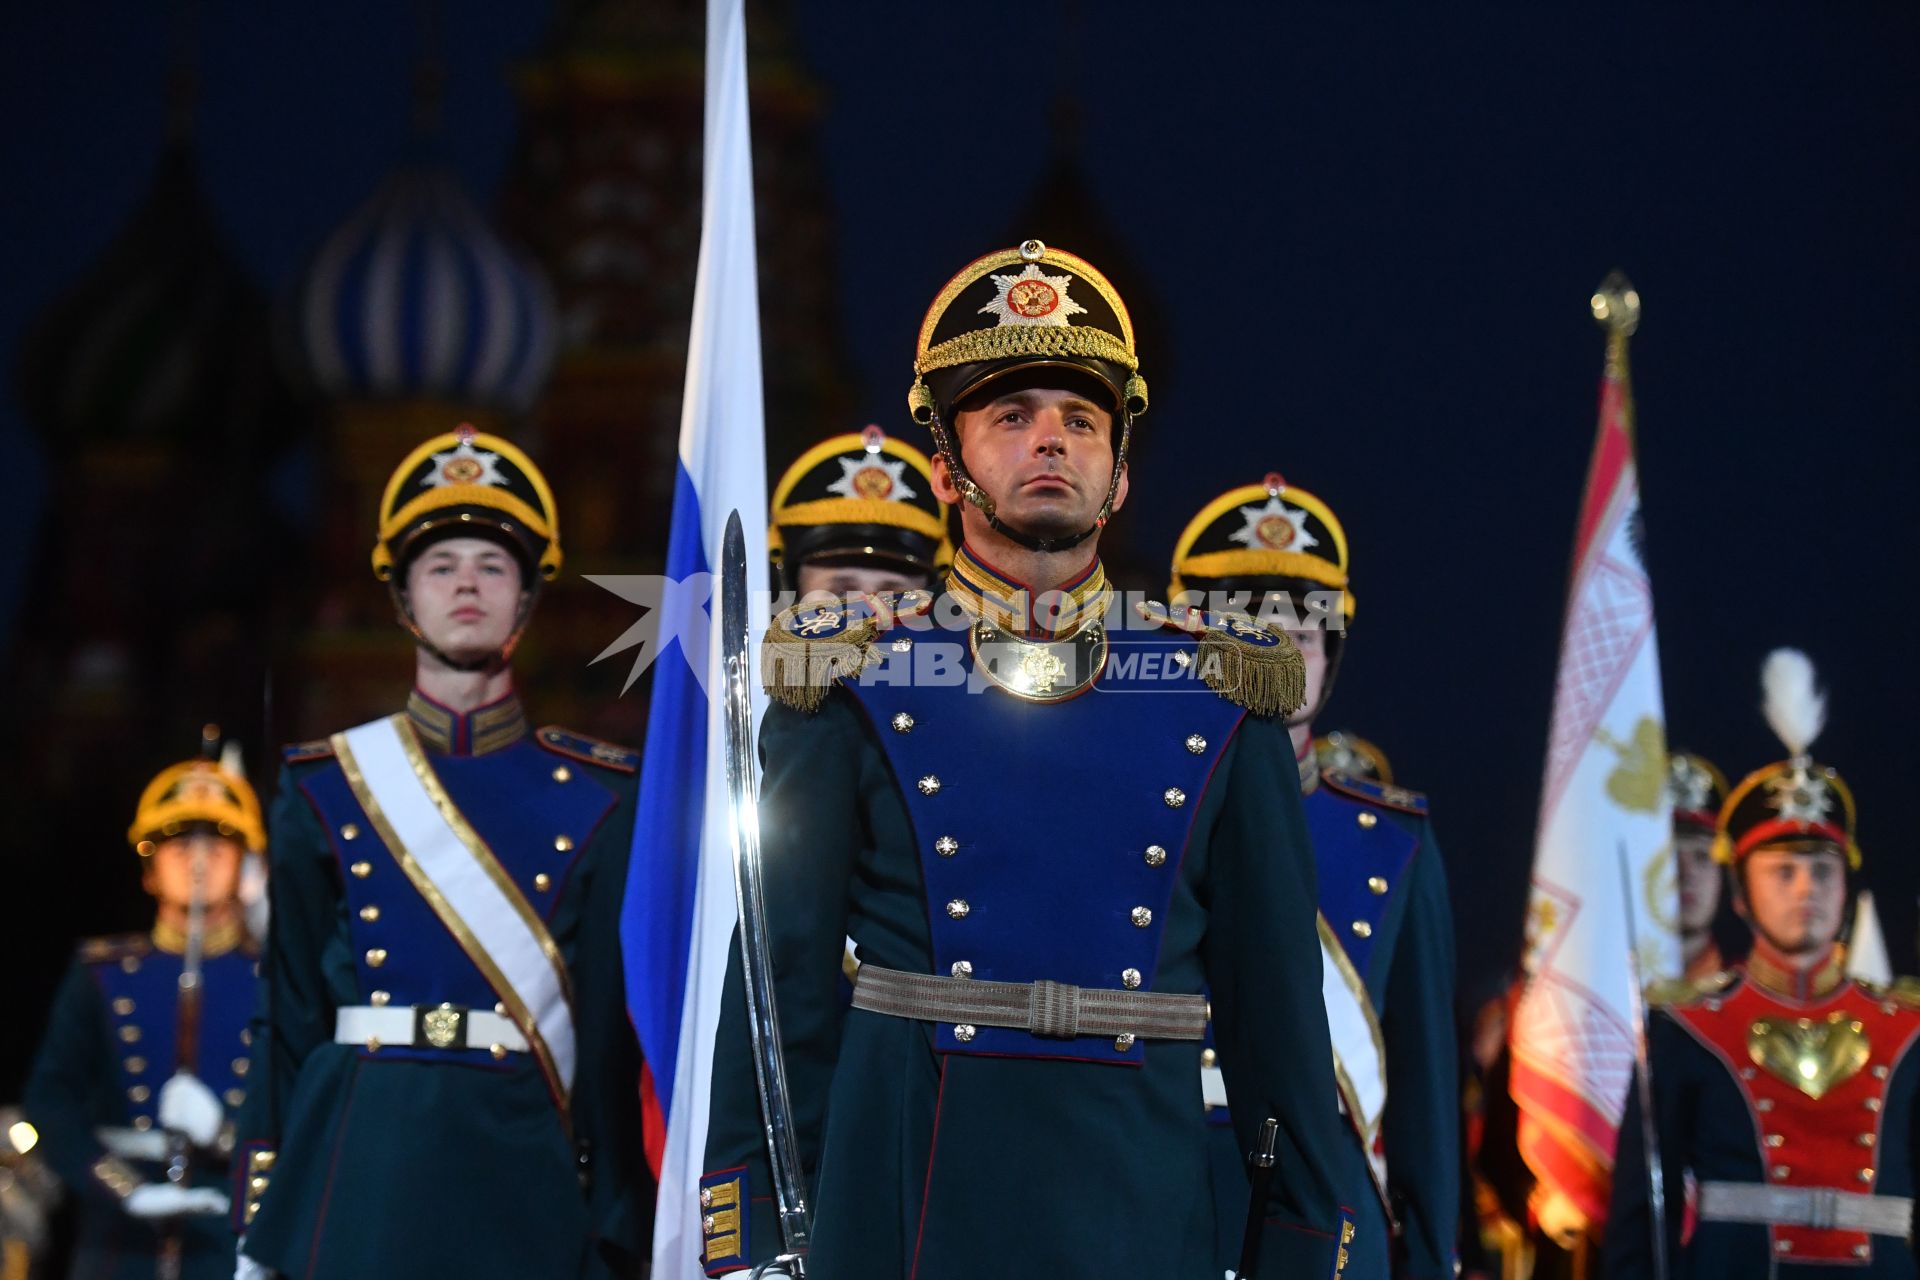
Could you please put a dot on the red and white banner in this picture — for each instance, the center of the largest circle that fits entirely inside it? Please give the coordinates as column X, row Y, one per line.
column 1572, row 1037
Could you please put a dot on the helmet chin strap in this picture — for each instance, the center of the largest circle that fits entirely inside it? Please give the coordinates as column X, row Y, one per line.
column 943, row 442
column 489, row 661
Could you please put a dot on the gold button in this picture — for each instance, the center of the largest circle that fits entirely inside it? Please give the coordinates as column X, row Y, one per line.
column 1780, row 1172
column 1776, row 1139
column 1196, row 744
column 136, row 1064
column 497, row 1050
column 561, row 773
column 946, row 846
column 1871, row 1104
column 129, row 964
column 1361, row 929
column 1208, row 1057
column 929, row 785
column 1156, row 856
column 362, row 869
column 131, row 1035
column 500, row 1008
column 1879, row 1068
column 1865, row 1175
column 350, row 832
column 964, row 1032
column 1763, row 1104
column 1123, row 1041
column 139, row 1093
column 246, row 1033
column 1865, row 1139
column 959, row 909
column 379, row 999
column 369, row 913
column 706, row 1197
column 543, row 882
column 1366, row 820
column 1863, row 1251
column 235, row 1097
column 241, row 1066
column 1130, row 979
column 1141, row 917
column 1174, row 797
column 143, row 1123
column 122, row 1006
column 376, row 956
column 1783, row 1246
column 1377, row 884
column 373, row 1044
column 563, row 843
column 256, row 1184
column 902, row 722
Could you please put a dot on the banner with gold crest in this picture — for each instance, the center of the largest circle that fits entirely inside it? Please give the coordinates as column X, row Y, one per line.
column 1602, row 802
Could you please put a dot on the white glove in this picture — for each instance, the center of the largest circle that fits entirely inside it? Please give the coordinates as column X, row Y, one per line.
column 189, row 1107
column 165, row 1200
column 245, row 1268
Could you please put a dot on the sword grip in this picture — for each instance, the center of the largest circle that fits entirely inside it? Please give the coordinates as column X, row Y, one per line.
column 1260, row 1179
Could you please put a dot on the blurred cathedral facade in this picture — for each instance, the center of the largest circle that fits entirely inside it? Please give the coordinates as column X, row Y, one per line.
column 216, row 455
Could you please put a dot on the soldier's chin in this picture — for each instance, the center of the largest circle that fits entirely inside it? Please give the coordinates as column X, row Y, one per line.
column 1046, row 520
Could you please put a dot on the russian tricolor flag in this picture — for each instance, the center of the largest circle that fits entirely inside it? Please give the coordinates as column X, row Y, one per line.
column 679, row 913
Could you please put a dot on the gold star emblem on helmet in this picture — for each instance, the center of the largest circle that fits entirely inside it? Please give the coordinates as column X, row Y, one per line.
column 1276, row 527
column 1033, row 298
column 464, row 464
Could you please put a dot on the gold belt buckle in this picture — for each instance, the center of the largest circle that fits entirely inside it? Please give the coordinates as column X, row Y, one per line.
column 444, row 1026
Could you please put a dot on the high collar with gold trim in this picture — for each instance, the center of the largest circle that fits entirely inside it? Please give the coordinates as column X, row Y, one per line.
column 500, row 723
column 1769, row 971
column 219, row 940
column 986, row 593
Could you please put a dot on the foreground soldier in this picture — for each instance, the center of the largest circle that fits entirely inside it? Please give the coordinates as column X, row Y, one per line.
column 1040, row 885
column 451, row 1080
column 856, row 514
column 108, row 1089
column 1782, row 1088
column 1386, row 924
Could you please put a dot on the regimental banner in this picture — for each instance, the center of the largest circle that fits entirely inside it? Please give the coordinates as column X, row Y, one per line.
column 1602, row 803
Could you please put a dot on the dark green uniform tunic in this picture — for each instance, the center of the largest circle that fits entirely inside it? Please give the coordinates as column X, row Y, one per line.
column 412, row 1162
column 1146, row 831
column 108, row 1049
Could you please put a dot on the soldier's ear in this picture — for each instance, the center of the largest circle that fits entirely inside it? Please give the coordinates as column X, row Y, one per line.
column 943, row 486
column 1120, row 490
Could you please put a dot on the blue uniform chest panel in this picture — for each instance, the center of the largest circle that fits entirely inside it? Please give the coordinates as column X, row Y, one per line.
column 141, row 995
column 1034, row 824
column 536, row 823
column 1361, row 853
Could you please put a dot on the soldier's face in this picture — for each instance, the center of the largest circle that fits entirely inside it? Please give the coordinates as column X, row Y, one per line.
column 841, row 580
column 465, row 596
column 1312, row 644
column 1699, row 877
column 170, row 871
column 1796, row 900
column 1044, row 457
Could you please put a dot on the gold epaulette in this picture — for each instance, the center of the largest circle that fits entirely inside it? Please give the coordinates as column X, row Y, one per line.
column 1242, row 659
column 117, row 947
column 608, row 755
column 1671, row 991
column 810, row 648
column 1906, row 991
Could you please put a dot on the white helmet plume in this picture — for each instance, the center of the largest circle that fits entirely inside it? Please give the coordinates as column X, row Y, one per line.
column 1794, row 706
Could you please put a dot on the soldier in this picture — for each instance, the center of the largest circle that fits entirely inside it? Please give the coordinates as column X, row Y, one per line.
column 450, row 1082
column 1041, row 873
column 1697, row 789
column 1783, row 1090
column 1386, row 926
column 127, row 1080
column 856, row 514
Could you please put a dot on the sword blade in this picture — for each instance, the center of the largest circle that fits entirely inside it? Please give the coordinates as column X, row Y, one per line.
column 756, row 955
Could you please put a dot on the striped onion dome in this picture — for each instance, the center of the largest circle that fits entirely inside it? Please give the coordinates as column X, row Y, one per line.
column 161, row 340
column 416, row 297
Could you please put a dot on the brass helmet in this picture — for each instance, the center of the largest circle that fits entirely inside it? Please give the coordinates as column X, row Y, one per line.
column 468, row 483
column 1796, row 802
column 1015, row 311
column 197, row 793
column 859, row 494
column 1263, row 537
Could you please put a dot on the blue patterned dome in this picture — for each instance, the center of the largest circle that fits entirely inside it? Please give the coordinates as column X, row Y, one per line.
column 416, row 297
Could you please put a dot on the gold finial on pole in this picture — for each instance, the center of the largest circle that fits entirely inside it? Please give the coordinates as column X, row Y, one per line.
column 1616, row 308
column 1616, row 304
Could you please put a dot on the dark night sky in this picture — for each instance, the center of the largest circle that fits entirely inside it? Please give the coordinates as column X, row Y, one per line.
column 1368, row 235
